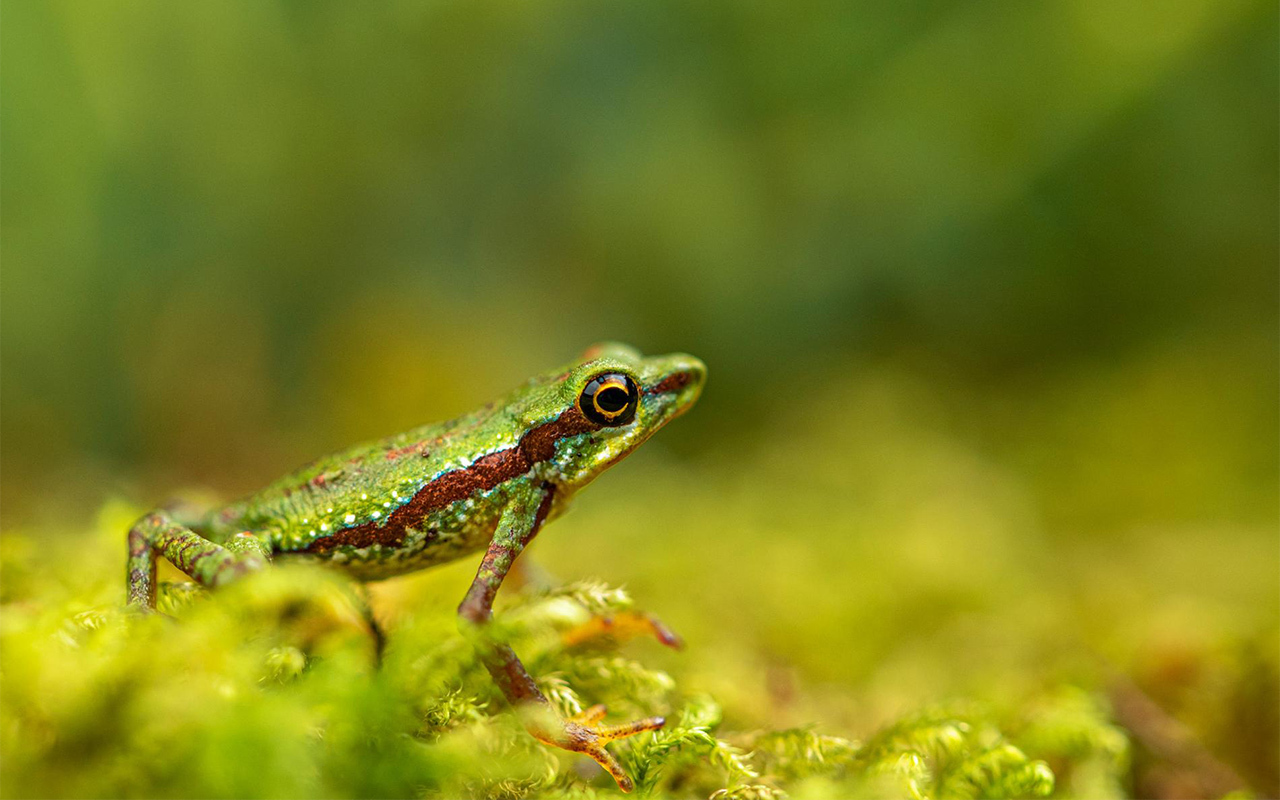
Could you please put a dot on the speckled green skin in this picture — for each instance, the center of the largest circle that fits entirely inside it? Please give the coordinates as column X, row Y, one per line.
column 369, row 481
column 485, row 481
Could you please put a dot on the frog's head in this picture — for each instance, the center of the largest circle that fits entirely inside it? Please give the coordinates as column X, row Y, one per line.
column 609, row 402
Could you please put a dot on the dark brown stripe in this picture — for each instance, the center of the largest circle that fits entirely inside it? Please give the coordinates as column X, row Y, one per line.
column 672, row 383
column 536, row 446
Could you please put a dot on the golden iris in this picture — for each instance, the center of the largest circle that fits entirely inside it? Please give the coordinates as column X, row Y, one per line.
column 610, row 399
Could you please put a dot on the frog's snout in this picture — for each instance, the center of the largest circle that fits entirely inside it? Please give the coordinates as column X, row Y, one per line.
column 679, row 381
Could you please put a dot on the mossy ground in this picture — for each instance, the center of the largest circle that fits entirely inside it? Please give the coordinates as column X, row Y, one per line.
column 870, row 609
column 273, row 689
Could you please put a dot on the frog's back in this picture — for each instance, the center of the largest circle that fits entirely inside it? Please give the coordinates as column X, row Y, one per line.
column 359, row 485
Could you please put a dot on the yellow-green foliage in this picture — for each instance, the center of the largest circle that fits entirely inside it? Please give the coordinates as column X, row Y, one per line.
column 869, row 608
column 270, row 689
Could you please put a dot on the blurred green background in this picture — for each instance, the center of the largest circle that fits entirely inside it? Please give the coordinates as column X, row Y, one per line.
column 988, row 293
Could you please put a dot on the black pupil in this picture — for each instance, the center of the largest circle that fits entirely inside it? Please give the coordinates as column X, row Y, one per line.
column 612, row 399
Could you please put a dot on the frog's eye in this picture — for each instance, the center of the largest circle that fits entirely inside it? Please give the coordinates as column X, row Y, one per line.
column 610, row 399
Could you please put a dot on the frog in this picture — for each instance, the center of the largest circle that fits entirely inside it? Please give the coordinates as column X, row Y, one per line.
column 487, row 481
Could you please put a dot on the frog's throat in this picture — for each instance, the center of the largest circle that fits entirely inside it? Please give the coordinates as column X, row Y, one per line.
column 536, row 446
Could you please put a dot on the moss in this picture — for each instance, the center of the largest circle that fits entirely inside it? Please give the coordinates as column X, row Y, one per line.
column 272, row 689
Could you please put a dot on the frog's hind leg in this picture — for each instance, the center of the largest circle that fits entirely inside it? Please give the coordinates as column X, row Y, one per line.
column 208, row 563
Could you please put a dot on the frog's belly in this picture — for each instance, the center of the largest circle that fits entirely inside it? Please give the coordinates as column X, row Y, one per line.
column 420, row 549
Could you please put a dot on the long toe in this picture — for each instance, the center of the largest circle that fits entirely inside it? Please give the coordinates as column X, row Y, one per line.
column 605, row 759
column 626, row 729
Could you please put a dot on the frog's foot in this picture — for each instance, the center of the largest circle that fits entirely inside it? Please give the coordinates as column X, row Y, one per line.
column 620, row 627
column 582, row 733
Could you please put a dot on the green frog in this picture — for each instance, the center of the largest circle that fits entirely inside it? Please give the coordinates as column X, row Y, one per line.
column 487, row 481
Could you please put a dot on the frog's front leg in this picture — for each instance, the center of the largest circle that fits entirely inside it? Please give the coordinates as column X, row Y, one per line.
column 208, row 563
column 519, row 523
